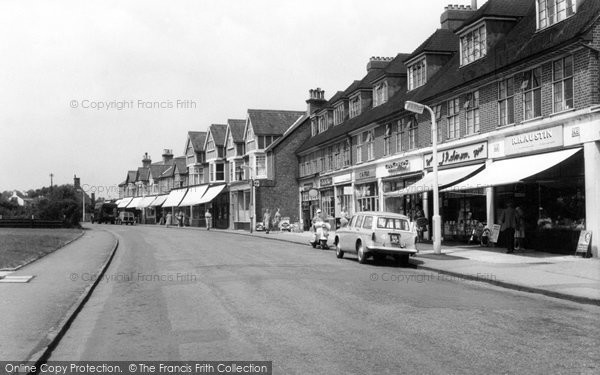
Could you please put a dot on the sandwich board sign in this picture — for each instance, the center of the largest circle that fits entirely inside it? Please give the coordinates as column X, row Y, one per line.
column 495, row 233
column 585, row 237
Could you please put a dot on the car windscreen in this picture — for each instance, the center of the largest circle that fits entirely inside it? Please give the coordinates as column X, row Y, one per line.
column 392, row 223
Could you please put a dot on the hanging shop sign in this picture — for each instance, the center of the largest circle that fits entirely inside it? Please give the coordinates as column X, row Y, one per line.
column 365, row 174
column 325, row 181
column 458, row 155
column 313, row 193
column 533, row 141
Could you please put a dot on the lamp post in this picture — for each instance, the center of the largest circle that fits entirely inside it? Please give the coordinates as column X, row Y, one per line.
column 437, row 223
column 252, row 198
column 82, row 205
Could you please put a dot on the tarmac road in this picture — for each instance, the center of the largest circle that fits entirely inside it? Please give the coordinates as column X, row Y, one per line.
column 186, row 294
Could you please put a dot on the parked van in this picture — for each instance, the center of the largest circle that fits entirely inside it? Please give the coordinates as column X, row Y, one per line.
column 126, row 217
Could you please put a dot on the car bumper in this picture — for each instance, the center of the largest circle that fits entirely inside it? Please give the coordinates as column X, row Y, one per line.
column 391, row 250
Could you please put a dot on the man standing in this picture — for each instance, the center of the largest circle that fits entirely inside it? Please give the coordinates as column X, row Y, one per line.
column 508, row 221
column 208, row 218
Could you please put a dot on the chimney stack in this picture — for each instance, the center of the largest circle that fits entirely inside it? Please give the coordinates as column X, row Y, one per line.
column 474, row 4
column 76, row 182
column 377, row 62
column 315, row 101
column 146, row 161
column 455, row 15
column 167, row 155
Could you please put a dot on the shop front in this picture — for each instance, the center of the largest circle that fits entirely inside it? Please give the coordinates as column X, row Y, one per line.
column 216, row 199
column 327, row 198
column 192, row 205
column 241, row 205
column 397, row 175
column 310, row 201
column 344, row 196
column 366, row 189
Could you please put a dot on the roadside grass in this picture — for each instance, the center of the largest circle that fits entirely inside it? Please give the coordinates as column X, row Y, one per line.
column 19, row 246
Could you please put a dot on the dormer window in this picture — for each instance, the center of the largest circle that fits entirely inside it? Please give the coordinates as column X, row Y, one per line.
column 338, row 114
column 380, row 94
column 322, row 123
column 417, row 74
column 550, row 12
column 473, row 45
column 354, row 106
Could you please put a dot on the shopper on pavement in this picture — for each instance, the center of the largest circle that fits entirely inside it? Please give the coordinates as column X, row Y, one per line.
column 508, row 223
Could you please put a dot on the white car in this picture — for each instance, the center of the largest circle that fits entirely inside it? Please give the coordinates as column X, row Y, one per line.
column 377, row 234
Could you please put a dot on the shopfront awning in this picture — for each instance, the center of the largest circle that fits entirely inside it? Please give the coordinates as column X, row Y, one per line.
column 193, row 196
column 211, row 193
column 124, row 202
column 510, row 171
column 445, row 177
column 175, row 197
column 146, row 202
column 159, row 200
column 135, row 202
column 118, row 201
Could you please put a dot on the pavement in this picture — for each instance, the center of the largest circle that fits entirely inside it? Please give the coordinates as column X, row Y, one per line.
column 37, row 313
column 569, row 277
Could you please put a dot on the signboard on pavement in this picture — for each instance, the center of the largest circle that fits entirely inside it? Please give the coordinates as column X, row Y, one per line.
column 495, row 233
column 585, row 237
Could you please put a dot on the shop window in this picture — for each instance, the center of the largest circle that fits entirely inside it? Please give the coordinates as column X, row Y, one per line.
column 550, row 12
column 473, row 45
column 472, row 109
column 506, row 104
column 562, row 77
column 328, row 202
column 453, row 119
column 367, row 197
column 532, row 93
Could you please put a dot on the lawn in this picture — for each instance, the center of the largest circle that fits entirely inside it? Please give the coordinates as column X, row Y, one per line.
column 20, row 246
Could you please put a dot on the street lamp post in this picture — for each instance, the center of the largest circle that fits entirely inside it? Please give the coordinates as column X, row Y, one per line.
column 82, row 205
column 437, row 223
column 252, row 198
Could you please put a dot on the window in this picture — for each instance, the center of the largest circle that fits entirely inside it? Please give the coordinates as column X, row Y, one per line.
column 261, row 166
column 437, row 110
column 211, row 171
column 220, row 172
column 380, row 94
column 355, row 106
column 472, row 108
column 506, row 105
column 338, row 114
column 399, row 137
column 411, row 126
column 210, row 145
column 473, row 45
column 407, row 133
column 453, row 119
column 368, row 222
column 322, row 123
column 369, row 139
column 330, row 158
column 532, row 93
column 562, row 78
column 417, row 74
column 313, row 126
column 347, row 155
column 550, row 12
column 359, row 141
column 387, row 138
column 231, row 171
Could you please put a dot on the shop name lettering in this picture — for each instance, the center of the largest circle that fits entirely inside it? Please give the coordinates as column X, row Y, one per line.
column 364, row 174
column 527, row 138
column 449, row 157
column 326, row 181
column 399, row 165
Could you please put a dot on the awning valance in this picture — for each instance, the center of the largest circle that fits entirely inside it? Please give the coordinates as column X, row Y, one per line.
column 135, row 202
column 124, row 202
column 510, row 171
column 175, row 197
column 146, row 201
column 445, row 177
column 159, row 200
column 194, row 195
column 211, row 193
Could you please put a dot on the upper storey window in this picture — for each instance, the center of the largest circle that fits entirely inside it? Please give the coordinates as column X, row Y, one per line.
column 355, row 106
column 338, row 114
column 473, row 45
column 417, row 74
column 550, row 12
column 380, row 94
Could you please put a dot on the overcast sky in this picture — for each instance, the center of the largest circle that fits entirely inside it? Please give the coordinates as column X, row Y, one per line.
column 59, row 59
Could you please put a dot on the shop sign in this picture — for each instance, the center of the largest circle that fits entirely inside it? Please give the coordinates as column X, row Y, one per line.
column 496, row 149
column 325, row 181
column 398, row 166
column 313, row 193
column 533, row 141
column 348, row 190
column 365, row 174
column 458, row 155
column 307, row 187
column 585, row 237
column 342, row 178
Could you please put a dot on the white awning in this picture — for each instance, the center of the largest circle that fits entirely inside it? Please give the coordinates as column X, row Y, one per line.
column 211, row 193
column 445, row 177
column 118, row 201
column 193, row 196
column 146, row 201
column 174, row 198
column 510, row 171
column 134, row 202
column 124, row 202
column 159, row 200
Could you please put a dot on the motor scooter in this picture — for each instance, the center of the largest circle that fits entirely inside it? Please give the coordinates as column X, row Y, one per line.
column 320, row 235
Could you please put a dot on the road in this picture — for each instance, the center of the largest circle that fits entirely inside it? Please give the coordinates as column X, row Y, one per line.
column 185, row 294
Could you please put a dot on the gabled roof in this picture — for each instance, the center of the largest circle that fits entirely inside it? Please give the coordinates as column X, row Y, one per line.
column 180, row 165
column 157, row 169
column 396, row 66
column 504, row 8
column 272, row 122
column 131, row 176
column 289, row 131
column 142, row 174
column 169, row 172
column 197, row 139
column 441, row 41
column 217, row 132
column 336, row 97
column 236, row 127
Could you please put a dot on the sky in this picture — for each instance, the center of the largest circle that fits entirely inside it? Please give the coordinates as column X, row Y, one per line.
column 87, row 87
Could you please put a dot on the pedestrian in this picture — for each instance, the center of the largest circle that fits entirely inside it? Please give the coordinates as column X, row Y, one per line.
column 180, row 219
column 317, row 216
column 169, row 220
column 421, row 222
column 276, row 220
column 343, row 218
column 520, row 228
column 208, row 217
column 508, row 224
column 267, row 220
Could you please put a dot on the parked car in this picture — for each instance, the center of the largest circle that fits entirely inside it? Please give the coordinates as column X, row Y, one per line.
column 126, row 217
column 377, row 234
column 284, row 224
column 260, row 227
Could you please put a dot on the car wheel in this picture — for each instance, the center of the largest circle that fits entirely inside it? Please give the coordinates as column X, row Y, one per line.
column 360, row 253
column 338, row 249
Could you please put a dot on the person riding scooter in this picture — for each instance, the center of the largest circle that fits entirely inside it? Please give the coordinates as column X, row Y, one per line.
column 320, row 231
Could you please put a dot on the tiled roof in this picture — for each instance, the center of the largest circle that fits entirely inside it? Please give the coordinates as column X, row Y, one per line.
column 180, row 164
column 337, row 96
column 442, row 40
column 272, row 122
column 236, row 127
column 197, row 139
column 218, row 133
column 396, row 66
column 170, row 171
column 504, row 8
column 157, row 169
column 142, row 174
column 131, row 176
column 289, row 131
